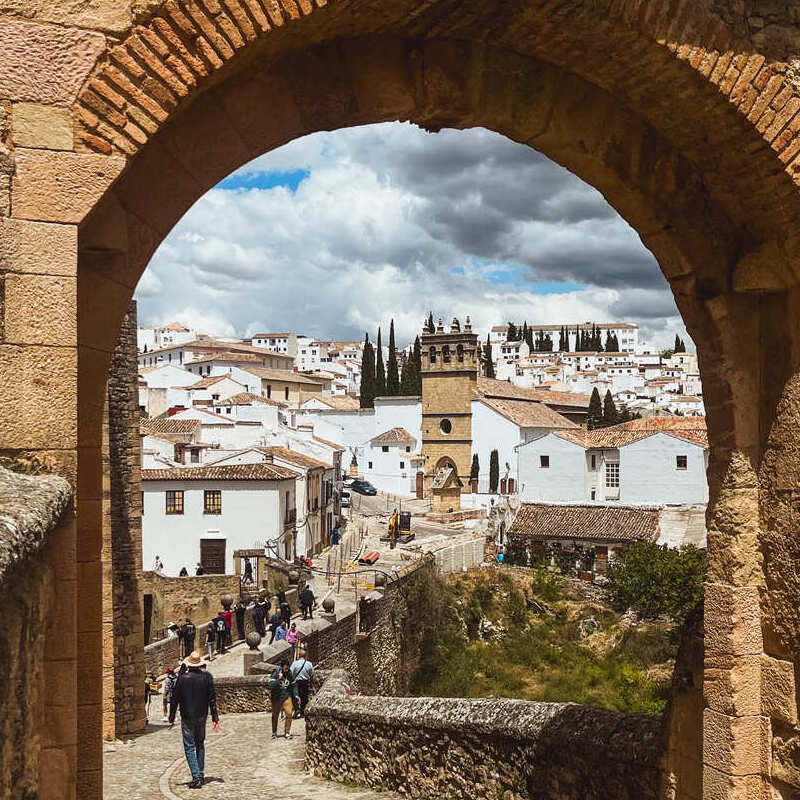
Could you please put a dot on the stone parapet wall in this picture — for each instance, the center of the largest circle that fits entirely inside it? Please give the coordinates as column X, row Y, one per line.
column 490, row 748
column 37, row 664
column 160, row 655
column 242, row 695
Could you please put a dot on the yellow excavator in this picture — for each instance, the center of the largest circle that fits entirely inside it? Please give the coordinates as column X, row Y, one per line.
column 399, row 529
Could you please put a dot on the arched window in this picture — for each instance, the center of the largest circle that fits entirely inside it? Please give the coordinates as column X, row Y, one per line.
column 433, row 355
column 460, row 353
column 446, row 354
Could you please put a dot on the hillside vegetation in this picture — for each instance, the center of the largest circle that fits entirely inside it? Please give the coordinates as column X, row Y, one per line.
column 532, row 634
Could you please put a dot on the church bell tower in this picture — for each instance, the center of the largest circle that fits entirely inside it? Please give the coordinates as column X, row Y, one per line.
column 450, row 363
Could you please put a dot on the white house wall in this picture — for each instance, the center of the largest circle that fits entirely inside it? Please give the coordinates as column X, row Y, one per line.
column 492, row 431
column 252, row 512
column 386, row 474
column 648, row 472
column 563, row 481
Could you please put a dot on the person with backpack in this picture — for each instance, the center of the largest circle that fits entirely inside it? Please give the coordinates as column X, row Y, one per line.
column 260, row 614
column 169, row 685
column 227, row 615
column 286, row 611
column 211, row 639
column 281, row 691
column 307, row 600
column 302, row 671
column 187, row 633
column 221, row 631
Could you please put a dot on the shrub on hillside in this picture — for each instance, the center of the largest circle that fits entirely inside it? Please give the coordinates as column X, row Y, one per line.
column 658, row 581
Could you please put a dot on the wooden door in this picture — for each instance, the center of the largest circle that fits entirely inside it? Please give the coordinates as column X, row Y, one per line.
column 503, row 485
column 212, row 556
column 420, row 486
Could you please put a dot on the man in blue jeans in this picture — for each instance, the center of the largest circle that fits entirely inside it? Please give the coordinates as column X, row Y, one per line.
column 194, row 694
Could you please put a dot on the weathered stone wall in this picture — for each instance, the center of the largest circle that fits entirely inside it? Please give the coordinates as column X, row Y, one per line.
column 242, row 695
column 37, row 674
column 123, row 626
column 157, row 657
column 490, row 748
column 196, row 597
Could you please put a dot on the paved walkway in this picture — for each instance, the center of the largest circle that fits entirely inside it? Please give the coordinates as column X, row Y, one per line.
column 241, row 761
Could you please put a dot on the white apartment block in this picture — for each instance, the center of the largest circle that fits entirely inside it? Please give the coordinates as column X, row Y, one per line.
column 311, row 354
column 652, row 461
column 285, row 343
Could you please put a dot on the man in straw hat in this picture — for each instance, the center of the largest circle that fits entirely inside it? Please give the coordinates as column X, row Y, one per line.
column 194, row 694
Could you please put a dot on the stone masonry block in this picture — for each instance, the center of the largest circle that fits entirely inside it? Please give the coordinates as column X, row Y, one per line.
column 721, row 786
column 732, row 684
column 735, row 558
column 778, row 690
column 48, row 127
column 58, row 186
column 113, row 16
column 736, row 745
column 40, row 409
column 38, row 247
column 732, row 620
column 40, row 309
column 45, row 63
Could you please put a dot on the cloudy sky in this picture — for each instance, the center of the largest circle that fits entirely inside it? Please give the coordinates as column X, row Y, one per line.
column 338, row 232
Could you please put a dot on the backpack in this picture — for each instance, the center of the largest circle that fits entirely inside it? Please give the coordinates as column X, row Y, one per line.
column 221, row 626
column 188, row 631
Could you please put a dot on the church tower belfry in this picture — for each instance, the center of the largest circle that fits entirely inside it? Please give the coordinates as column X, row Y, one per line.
column 450, row 362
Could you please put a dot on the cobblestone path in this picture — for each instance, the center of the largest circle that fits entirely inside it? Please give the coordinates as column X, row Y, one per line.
column 241, row 761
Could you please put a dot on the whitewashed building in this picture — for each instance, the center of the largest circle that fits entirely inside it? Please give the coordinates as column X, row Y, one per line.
column 202, row 514
column 655, row 460
column 391, row 460
column 285, row 343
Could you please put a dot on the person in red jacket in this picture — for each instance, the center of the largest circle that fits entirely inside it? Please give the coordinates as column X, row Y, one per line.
column 227, row 615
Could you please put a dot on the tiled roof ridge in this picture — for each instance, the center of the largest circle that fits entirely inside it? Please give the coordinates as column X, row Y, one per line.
column 237, row 472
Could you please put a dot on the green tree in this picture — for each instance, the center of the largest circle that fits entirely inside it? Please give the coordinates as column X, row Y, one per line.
column 524, row 335
column 380, row 370
column 494, row 471
column 409, row 379
column 368, row 375
column 610, row 416
column 418, row 366
column 392, row 378
column 658, row 580
column 512, row 332
column 475, row 469
column 431, row 325
column 578, row 340
column 561, row 347
column 595, row 418
column 488, row 364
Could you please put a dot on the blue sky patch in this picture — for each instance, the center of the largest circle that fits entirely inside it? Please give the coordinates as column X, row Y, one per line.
column 515, row 275
column 265, row 180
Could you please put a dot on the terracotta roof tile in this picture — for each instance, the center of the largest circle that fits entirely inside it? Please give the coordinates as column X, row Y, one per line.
column 328, row 443
column 227, row 472
column 600, row 523
column 528, row 414
column 284, row 375
column 490, row 387
column 394, row 436
column 301, row 459
column 249, row 399
column 169, row 425
column 690, row 429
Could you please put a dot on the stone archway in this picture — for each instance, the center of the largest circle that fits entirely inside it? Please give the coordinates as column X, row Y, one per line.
column 686, row 124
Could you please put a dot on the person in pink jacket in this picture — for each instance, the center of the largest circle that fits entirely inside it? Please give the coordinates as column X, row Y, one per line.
column 291, row 637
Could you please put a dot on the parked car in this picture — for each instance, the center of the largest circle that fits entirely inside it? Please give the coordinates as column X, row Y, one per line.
column 364, row 487
column 345, row 499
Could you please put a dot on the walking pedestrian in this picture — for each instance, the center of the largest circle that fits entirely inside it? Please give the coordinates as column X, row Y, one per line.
column 150, row 688
column 184, row 573
column 211, row 639
column 274, row 624
column 280, row 632
column 260, row 614
column 239, row 610
column 286, row 611
column 187, row 633
column 280, row 693
column 302, row 671
column 292, row 635
column 227, row 615
column 194, row 694
column 221, row 630
column 169, row 686
column 307, row 601
column 248, row 571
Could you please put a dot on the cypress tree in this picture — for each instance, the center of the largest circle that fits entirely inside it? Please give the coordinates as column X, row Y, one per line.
column 494, row 471
column 380, row 370
column 595, row 419
column 475, row 469
column 488, row 365
column 368, row 375
column 577, row 340
column 392, row 378
column 676, row 348
column 512, row 332
column 417, row 366
column 610, row 416
column 524, row 337
column 431, row 325
column 408, row 382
